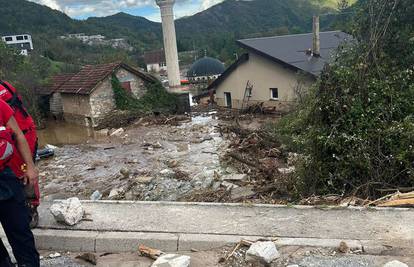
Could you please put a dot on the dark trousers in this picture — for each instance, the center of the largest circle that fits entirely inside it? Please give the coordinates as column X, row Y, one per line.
column 15, row 219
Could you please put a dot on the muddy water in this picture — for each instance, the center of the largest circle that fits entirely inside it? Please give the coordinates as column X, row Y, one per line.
column 147, row 162
column 61, row 133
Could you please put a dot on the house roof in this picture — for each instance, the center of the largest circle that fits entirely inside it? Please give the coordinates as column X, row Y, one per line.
column 290, row 50
column 54, row 84
column 86, row 80
column 153, row 57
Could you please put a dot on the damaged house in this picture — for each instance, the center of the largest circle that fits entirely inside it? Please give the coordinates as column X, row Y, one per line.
column 87, row 96
column 274, row 70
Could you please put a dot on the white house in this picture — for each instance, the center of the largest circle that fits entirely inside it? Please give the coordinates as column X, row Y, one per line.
column 22, row 42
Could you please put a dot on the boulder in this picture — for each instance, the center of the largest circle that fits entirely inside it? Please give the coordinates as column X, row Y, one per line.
column 263, row 252
column 395, row 264
column 69, row 212
column 172, row 260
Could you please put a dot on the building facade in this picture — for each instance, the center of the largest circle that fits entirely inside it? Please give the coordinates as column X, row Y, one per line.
column 22, row 42
column 275, row 70
column 87, row 97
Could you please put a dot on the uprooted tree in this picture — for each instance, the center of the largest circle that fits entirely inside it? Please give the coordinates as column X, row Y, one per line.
column 356, row 126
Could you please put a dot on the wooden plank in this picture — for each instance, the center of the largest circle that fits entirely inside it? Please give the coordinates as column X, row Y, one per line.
column 398, row 203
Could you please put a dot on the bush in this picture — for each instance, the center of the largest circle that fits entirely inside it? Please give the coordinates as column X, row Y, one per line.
column 356, row 127
column 156, row 99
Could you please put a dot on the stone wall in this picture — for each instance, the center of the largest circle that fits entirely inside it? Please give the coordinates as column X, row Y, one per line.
column 90, row 109
column 76, row 108
column 137, row 84
column 102, row 100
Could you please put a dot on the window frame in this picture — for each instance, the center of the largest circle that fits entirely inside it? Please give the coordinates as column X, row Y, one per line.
column 271, row 93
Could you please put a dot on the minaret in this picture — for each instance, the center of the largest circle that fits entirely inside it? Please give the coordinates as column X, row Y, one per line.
column 170, row 41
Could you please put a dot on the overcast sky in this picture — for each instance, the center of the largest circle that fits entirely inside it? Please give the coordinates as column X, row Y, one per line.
column 82, row 9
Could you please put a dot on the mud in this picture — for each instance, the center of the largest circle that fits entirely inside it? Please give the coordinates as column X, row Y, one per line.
column 144, row 162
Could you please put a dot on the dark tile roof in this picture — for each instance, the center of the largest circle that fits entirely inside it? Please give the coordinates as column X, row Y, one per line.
column 54, row 83
column 86, row 80
column 290, row 50
column 152, row 57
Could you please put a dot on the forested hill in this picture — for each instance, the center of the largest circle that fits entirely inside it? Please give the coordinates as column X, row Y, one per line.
column 214, row 29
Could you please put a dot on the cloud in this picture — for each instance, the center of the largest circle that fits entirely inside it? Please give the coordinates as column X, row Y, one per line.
column 208, row 3
column 86, row 8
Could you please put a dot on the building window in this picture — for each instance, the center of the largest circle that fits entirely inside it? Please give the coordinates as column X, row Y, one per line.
column 19, row 38
column 227, row 99
column 274, row 93
column 26, row 37
column 9, row 39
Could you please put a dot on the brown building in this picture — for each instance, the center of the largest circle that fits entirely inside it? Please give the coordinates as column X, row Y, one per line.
column 155, row 61
column 87, row 96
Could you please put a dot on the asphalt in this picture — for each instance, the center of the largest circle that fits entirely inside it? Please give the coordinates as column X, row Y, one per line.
column 121, row 226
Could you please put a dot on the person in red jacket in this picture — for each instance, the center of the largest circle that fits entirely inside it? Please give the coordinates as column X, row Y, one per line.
column 26, row 124
column 14, row 214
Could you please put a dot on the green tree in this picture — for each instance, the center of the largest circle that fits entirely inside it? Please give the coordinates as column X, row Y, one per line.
column 356, row 127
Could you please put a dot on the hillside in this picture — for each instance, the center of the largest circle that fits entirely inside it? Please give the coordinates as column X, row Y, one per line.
column 214, row 29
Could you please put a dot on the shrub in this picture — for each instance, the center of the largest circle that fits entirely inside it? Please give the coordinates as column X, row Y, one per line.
column 356, row 127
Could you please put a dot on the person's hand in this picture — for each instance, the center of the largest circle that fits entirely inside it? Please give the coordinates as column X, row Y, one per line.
column 31, row 175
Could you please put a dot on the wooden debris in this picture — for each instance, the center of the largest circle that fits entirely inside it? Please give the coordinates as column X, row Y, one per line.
column 242, row 242
column 398, row 203
column 395, row 200
column 149, row 252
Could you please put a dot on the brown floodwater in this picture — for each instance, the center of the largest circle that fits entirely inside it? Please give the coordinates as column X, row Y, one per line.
column 62, row 133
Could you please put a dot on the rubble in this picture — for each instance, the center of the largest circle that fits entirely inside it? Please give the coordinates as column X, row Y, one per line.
column 69, row 212
column 55, row 255
column 263, row 252
column 395, row 264
column 242, row 192
column 172, row 260
column 115, row 193
column 235, row 177
column 343, row 247
column 88, row 257
column 96, row 196
column 117, row 132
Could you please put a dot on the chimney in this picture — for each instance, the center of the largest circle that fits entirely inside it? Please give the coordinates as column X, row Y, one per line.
column 316, row 37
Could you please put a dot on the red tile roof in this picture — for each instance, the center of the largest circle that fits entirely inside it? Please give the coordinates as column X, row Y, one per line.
column 54, row 84
column 88, row 78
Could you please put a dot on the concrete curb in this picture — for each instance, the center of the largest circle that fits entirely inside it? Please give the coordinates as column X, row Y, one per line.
column 116, row 242
column 213, row 204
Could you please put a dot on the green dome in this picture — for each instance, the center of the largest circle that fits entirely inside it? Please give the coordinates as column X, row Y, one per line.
column 206, row 66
